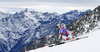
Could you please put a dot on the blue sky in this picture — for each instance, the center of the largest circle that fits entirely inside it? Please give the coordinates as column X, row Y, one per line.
column 59, row 6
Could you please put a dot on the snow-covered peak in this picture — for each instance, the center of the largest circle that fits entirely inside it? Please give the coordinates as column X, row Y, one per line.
column 88, row 10
column 4, row 15
column 73, row 11
column 97, row 9
column 28, row 15
column 26, row 10
column 86, row 23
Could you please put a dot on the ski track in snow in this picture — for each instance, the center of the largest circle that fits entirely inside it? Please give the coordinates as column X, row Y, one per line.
column 90, row 44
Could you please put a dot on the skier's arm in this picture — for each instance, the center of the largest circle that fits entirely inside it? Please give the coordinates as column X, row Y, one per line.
column 68, row 32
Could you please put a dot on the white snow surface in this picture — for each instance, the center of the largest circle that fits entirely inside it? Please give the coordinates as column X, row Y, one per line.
column 90, row 44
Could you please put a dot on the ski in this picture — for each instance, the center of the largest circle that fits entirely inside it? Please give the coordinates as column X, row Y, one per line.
column 67, row 41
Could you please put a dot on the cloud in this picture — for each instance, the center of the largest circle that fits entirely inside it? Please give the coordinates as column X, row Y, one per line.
column 41, row 4
column 59, row 6
column 4, row 10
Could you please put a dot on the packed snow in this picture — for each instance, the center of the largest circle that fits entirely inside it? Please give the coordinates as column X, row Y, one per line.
column 90, row 44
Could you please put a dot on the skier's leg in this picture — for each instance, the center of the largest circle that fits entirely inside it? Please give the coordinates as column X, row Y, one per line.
column 70, row 36
column 64, row 37
column 59, row 36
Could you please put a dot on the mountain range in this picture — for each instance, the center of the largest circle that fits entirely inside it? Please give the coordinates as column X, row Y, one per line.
column 79, row 27
column 22, row 28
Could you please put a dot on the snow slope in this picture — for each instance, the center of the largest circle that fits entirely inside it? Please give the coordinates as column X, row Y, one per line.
column 90, row 44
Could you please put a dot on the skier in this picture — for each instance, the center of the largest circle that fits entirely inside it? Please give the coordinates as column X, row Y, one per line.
column 63, row 32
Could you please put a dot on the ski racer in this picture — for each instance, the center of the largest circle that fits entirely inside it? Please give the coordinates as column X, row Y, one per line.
column 63, row 32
